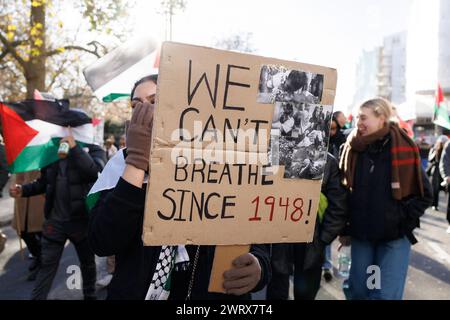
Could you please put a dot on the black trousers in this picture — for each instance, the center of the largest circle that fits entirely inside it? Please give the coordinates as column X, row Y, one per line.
column 306, row 285
column 33, row 242
column 55, row 235
column 436, row 185
column 306, row 282
column 278, row 287
column 448, row 208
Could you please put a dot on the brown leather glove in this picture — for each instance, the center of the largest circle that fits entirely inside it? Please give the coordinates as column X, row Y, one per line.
column 139, row 135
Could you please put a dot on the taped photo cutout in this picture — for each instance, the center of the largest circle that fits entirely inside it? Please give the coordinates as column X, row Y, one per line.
column 279, row 84
column 299, row 139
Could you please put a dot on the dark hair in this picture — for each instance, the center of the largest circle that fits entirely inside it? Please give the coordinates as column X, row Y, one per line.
column 334, row 119
column 153, row 78
column 296, row 80
column 287, row 107
column 337, row 114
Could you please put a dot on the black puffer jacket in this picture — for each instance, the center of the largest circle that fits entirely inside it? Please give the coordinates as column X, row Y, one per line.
column 444, row 162
column 336, row 141
column 82, row 172
column 335, row 217
column 334, row 222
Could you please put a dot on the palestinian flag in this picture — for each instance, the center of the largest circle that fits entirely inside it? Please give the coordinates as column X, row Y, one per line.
column 112, row 76
column 108, row 179
column 32, row 130
column 440, row 110
column 38, row 95
column 405, row 125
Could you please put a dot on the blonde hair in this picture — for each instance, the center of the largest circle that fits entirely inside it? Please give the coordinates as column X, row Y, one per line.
column 380, row 107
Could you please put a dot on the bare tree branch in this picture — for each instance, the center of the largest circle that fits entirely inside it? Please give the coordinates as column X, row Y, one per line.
column 56, row 74
column 13, row 44
column 19, row 42
column 56, row 51
column 10, row 48
column 95, row 43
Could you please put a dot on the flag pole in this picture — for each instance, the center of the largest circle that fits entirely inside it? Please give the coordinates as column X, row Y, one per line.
column 18, row 224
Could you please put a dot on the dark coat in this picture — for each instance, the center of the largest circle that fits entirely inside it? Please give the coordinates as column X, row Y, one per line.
column 336, row 142
column 334, row 219
column 115, row 228
column 4, row 176
column 444, row 162
column 82, row 172
column 432, row 171
column 334, row 222
column 434, row 157
column 374, row 214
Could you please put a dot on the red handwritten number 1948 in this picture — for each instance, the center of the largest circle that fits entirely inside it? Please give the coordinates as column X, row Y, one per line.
column 295, row 215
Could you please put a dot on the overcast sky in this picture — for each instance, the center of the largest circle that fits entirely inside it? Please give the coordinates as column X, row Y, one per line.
column 325, row 32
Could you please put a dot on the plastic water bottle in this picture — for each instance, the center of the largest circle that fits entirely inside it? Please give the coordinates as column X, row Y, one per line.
column 63, row 150
column 344, row 261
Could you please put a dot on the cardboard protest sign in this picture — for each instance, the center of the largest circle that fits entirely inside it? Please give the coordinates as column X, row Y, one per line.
column 223, row 259
column 239, row 146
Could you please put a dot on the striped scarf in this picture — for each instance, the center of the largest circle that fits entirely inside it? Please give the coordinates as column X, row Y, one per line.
column 406, row 169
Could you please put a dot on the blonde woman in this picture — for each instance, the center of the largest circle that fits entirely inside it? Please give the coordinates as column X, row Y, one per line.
column 388, row 193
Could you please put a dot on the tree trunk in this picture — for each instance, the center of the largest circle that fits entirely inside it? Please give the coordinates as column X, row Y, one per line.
column 35, row 70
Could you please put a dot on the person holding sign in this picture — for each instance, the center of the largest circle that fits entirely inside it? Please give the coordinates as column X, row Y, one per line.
column 389, row 191
column 65, row 184
column 307, row 258
column 155, row 272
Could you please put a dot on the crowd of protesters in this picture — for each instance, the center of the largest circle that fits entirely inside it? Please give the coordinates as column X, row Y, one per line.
column 374, row 191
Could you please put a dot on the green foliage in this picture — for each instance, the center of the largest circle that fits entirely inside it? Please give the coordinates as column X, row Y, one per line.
column 100, row 14
column 34, row 36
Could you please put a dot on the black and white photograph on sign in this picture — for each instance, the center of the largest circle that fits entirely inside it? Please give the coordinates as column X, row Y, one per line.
column 278, row 83
column 299, row 139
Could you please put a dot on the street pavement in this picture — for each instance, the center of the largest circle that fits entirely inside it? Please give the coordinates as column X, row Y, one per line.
column 429, row 268
column 6, row 207
column 428, row 274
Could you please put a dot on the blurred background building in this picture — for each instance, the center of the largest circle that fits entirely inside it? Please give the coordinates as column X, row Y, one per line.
column 409, row 65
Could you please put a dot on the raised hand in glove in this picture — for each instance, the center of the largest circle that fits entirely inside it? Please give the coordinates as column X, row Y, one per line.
column 139, row 135
column 243, row 276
